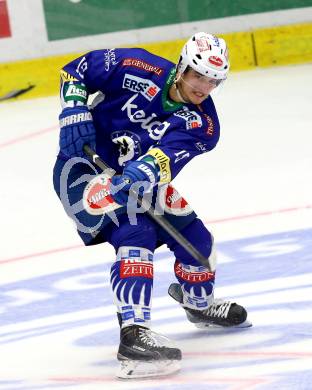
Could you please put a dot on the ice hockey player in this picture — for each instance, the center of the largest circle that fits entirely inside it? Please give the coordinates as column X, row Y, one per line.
column 148, row 119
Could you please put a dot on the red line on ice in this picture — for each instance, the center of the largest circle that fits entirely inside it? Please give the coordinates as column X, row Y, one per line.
column 234, row 218
column 27, row 136
column 259, row 214
column 38, row 254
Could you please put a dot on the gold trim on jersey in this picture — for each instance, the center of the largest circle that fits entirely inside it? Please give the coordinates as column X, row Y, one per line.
column 67, row 77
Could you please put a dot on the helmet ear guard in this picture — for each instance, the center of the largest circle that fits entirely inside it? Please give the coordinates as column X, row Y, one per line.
column 206, row 54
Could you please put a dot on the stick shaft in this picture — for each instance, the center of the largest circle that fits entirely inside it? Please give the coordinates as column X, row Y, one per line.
column 159, row 219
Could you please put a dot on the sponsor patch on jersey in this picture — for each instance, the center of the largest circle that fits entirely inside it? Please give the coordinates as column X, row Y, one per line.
column 215, row 60
column 156, row 129
column 174, row 201
column 67, row 77
column 96, row 196
column 192, row 118
column 171, row 202
column 201, row 146
column 109, row 59
column 164, row 164
column 76, row 92
column 135, row 62
column 193, row 124
column 137, row 84
column 210, row 128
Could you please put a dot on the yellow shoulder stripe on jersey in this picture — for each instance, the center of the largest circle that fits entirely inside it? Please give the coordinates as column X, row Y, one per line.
column 67, row 77
column 163, row 162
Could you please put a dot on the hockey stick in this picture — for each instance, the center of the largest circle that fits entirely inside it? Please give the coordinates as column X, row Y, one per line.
column 160, row 220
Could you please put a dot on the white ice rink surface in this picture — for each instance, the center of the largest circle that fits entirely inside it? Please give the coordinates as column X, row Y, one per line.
column 57, row 324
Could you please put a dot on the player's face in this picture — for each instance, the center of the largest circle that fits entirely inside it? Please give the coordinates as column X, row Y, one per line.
column 195, row 88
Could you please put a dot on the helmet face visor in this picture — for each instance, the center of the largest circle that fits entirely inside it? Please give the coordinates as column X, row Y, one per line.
column 199, row 82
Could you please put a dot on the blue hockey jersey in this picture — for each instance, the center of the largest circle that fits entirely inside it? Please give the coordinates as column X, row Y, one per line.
column 133, row 113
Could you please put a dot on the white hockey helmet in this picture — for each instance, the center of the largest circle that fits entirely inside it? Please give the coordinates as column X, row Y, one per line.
column 207, row 54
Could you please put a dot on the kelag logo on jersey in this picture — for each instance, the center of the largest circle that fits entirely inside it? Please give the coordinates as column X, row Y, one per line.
column 136, row 84
column 193, row 120
column 156, row 129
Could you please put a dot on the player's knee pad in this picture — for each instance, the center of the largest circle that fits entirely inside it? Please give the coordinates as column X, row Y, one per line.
column 132, row 284
column 142, row 235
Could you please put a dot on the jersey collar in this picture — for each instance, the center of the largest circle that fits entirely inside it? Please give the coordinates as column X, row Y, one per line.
column 168, row 104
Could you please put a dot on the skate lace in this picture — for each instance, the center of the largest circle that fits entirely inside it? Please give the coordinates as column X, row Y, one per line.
column 218, row 308
column 149, row 338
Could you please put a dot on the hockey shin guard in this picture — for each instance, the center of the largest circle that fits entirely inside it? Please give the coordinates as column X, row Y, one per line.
column 197, row 283
column 132, row 284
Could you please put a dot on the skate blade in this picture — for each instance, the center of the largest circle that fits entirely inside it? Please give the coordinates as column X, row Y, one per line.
column 136, row 369
column 202, row 325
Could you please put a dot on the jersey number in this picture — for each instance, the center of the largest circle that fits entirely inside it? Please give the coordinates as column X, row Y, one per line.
column 82, row 67
column 181, row 155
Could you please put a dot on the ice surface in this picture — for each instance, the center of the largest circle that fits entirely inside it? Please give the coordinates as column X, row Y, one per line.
column 57, row 323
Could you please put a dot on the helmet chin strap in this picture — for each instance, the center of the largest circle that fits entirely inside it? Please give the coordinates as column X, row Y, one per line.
column 179, row 94
column 177, row 89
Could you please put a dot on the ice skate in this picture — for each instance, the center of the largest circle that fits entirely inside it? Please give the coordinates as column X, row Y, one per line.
column 143, row 353
column 219, row 313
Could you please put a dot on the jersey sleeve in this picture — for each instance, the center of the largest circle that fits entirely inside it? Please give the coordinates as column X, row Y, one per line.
column 88, row 74
column 185, row 140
